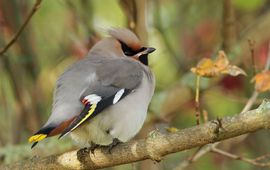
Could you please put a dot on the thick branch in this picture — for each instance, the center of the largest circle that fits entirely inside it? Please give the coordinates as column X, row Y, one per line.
column 157, row 145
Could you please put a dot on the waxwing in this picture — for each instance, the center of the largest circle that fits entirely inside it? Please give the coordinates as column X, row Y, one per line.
column 103, row 98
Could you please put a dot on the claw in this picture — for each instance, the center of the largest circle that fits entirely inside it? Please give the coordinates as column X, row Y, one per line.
column 113, row 144
column 93, row 147
column 82, row 154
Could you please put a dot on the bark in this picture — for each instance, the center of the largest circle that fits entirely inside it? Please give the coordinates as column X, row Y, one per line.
column 156, row 145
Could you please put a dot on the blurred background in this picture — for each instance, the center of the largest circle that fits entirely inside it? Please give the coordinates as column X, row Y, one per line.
column 183, row 32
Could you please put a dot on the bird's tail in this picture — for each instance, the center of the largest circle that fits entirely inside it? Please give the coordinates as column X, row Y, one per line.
column 40, row 135
column 48, row 131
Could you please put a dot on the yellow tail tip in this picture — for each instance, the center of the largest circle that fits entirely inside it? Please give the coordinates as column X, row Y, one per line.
column 37, row 138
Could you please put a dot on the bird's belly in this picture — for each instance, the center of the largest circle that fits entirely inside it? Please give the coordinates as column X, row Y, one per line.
column 122, row 120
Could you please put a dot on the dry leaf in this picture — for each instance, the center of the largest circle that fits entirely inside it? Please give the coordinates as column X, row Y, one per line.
column 233, row 71
column 208, row 68
column 222, row 61
column 262, row 81
column 205, row 68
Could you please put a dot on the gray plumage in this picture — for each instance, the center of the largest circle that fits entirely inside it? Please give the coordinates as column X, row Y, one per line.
column 104, row 72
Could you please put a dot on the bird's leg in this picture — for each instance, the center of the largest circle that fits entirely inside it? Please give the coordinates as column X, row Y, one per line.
column 82, row 154
column 93, row 147
column 113, row 144
column 87, row 150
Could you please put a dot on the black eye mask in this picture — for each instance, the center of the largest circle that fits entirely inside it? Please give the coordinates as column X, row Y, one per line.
column 127, row 51
column 130, row 52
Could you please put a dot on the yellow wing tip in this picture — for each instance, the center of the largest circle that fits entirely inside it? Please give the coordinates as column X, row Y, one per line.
column 37, row 138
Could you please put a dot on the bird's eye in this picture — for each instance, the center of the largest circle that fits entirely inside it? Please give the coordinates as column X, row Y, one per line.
column 130, row 52
column 127, row 50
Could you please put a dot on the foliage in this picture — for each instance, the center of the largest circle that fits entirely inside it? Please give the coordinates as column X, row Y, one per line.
column 183, row 32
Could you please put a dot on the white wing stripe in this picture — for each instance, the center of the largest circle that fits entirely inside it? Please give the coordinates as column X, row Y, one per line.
column 93, row 98
column 118, row 95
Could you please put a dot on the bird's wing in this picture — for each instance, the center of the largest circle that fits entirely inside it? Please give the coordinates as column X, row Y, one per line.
column 116, row 79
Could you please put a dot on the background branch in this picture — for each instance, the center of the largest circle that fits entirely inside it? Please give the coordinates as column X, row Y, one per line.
column 16, row 36
column 237, row 157
column 255, row 31
column 157, row 145
column 229, row 31
column 204, row 150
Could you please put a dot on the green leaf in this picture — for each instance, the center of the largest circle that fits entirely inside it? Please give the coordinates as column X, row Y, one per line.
column 248, row 5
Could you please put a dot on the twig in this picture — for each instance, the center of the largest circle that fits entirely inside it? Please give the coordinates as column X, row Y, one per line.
column 194, row 157
column 197, row 100
column 237, row 157
column 250, row 101
column 255, row 31
column 191, row 158
column 204, row 150
column 255, row 94
column 229, row 30
column 205, row 116
column 136, row 12
column 28, row 18
column 262, row 157
column 158, row 25
column 251, row 44
column 247, row 107
column 267, row 64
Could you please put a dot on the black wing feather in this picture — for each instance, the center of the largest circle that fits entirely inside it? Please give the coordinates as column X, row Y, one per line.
column 103, row 104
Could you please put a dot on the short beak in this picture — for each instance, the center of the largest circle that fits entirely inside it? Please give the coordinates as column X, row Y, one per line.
column 147, row 50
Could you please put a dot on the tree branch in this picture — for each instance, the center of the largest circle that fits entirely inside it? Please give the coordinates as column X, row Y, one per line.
column 229, row 30
column 255, row 162
column 255, row 31
column 16, row 36
column 156, row 145
column 206, row 149
column 136, row 12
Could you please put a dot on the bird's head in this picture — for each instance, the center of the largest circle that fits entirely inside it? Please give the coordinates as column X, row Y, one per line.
column 124, row 43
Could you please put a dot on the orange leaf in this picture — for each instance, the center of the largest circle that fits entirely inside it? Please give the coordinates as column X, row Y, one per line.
column 209, row 68
column 205, row 68
column 262, row 81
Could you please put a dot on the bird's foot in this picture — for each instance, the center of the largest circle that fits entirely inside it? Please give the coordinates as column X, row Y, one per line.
column 87, row 150
column 113, row 144
column 84, row 151
column 93, row 147
column 82, row 154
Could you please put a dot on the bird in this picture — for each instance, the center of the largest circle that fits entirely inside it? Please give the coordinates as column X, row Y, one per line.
column 102, row 99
